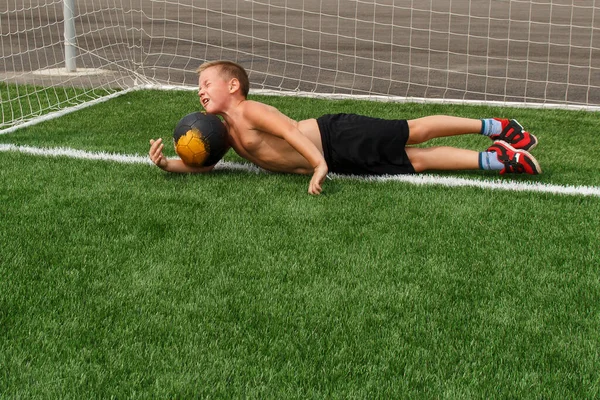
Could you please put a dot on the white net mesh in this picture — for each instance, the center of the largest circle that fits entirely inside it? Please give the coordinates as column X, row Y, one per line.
column 544, row 52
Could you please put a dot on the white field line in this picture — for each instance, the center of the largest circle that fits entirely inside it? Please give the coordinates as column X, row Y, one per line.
column 419, row 179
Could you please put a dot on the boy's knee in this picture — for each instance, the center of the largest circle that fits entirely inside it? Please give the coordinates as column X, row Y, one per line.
column 415, row 157
column 418, row 132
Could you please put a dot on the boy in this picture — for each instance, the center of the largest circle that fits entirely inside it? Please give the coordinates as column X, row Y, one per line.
column 347, row 144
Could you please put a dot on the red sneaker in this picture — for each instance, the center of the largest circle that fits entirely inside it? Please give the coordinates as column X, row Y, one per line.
column 514, row 134
column 515, row 161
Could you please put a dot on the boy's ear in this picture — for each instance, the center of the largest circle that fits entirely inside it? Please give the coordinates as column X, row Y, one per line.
column 234, row 85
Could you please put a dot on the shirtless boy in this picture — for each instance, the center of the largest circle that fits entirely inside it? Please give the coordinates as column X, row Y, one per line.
column 345, row 143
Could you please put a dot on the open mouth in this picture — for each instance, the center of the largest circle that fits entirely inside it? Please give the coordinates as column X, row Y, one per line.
column 204, row 102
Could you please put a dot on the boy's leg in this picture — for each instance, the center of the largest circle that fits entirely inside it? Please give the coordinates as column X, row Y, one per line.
column 500, row 156
column 442, row 158
column 435, row 126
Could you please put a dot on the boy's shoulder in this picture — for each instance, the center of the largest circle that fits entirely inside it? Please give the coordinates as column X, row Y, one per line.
column 252, row 108
column 261, row 115
column 253, row 103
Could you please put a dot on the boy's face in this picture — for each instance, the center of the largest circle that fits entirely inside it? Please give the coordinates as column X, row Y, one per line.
column 213, row 90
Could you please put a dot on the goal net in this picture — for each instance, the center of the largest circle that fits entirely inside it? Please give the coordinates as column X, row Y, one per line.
column 56, row 55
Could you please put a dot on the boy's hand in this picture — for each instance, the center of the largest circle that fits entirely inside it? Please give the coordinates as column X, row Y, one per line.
column 156, row 153
column 316, row 182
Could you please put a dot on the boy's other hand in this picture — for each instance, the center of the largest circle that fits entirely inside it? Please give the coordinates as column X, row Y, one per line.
column 156, row 153
column 316, row 182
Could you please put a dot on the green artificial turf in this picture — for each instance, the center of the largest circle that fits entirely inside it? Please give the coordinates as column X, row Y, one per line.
column 120, row 280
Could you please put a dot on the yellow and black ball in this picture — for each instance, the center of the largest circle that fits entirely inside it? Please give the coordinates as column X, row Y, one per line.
column 200, row 139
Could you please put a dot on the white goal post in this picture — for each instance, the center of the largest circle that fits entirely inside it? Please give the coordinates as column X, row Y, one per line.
column 543, row 53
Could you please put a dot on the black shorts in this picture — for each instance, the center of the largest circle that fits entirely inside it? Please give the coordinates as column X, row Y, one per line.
column 360, row 145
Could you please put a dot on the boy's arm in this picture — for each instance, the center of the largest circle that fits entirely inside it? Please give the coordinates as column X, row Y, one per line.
column 271, row 120
column 171, row 165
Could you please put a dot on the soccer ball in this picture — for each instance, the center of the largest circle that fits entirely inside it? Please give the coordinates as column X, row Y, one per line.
column 200, row 139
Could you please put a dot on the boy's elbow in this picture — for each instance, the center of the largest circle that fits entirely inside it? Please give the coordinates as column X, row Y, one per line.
column 202, row 170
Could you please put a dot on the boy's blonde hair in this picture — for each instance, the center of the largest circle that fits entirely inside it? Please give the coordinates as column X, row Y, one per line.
column 229, row 70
